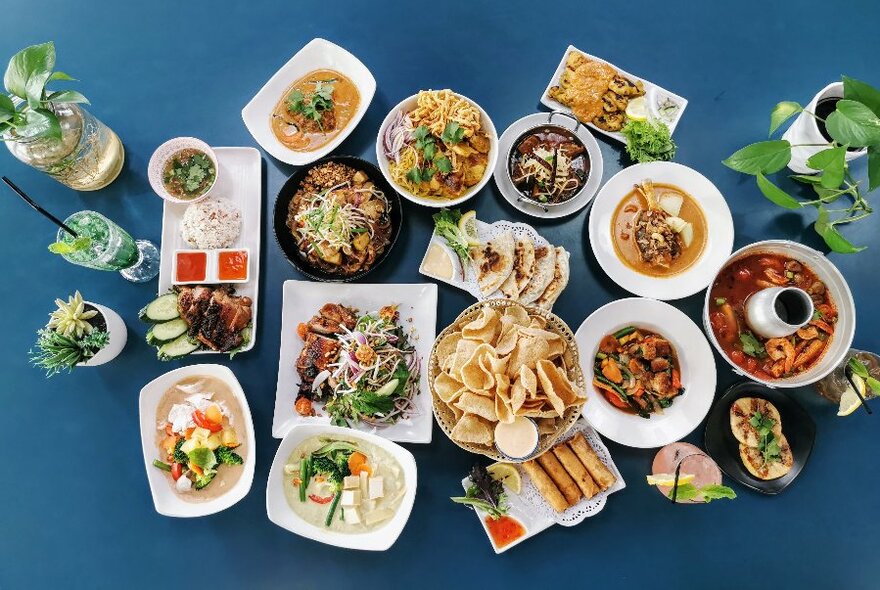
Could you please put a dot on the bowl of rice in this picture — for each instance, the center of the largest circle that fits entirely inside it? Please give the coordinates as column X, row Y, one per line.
column 211, row 224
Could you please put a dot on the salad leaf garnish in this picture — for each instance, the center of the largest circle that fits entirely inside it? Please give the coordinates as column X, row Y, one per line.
column 484, row 493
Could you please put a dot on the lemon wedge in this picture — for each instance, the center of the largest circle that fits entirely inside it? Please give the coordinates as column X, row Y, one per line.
column 668, row 479
column 637, row 109
column 849, row 401
column 468, row 226
column 507, row 474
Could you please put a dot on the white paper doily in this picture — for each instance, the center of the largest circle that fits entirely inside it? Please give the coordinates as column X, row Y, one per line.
column 584, row 508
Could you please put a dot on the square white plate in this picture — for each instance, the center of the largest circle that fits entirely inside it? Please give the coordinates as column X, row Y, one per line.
column 165, row 499
column 417, row 304
column 240, row 181
column 653, row 92
column 280, row 512
column 317, row 54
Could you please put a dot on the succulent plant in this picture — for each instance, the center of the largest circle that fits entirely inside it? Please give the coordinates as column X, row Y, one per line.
column 56, row 352
column 71, row 318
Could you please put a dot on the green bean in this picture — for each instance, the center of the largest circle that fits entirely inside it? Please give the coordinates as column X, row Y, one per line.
column 303, row 478
column 161, row 465
column 332, row 508
column 624, row 332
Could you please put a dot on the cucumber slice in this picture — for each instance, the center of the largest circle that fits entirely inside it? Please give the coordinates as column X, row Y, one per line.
column 166, row 331
column 180, row 346
column 161, row 309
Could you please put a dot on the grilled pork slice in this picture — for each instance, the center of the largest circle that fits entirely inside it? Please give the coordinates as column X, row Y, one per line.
column 330, row 319
column 216, row 318
column 317, row 353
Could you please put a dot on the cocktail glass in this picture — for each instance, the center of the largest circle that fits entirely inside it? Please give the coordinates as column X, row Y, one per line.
column 836, row 383
column 110, row 247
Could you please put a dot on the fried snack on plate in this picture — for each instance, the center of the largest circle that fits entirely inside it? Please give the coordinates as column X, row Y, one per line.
column 493, row 262
column 576, row 469
column 545, row 486
column 582, row 84
column 560, row 477
column 473, row 429
column 585, row 453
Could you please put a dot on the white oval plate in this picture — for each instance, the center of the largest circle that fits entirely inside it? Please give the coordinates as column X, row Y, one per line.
column 317, row 54
column 409, row 104
column 695, row 361
column 280, row 512
column 719, row 241
column 165, row 499
column 509, row 192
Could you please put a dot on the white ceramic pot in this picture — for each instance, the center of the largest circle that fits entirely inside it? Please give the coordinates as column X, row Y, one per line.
column 844, row 329
column 805, row 130
column 118, row 337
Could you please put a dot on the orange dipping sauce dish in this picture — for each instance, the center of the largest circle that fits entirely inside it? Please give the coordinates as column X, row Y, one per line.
column 232, row 265
column 504, row 530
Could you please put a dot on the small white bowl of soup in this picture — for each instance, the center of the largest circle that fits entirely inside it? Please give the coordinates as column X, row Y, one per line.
column 183, row 170
column 373, row 504
column 700, row 230
column 232, row 482
column 310, row 105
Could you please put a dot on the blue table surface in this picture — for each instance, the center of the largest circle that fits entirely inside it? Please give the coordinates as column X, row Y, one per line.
column 76, row 508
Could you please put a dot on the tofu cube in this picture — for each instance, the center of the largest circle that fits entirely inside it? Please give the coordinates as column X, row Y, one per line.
column 351, row 497
column 352, row 516
column 365, row 489
column 351, row 482
column 377, row 488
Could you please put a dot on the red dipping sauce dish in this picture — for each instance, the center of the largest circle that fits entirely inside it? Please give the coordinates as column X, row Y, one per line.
column 211, row 266
column 190, row 266
column 233, row 265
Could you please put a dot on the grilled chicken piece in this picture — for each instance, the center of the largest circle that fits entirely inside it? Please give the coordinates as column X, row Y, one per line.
column 216, row 318
column 330, row 318
column 317, row 353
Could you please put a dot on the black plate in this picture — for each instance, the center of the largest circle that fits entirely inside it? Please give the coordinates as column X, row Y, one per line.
column 285, row 238
column 798, row 427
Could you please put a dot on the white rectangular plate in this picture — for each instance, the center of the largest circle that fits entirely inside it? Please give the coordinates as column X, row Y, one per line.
column 417, row 304
column 239, row 180
column 654, row 94
column 317, row 54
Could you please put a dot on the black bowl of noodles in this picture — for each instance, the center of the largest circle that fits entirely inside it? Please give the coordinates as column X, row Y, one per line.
column 337, row 219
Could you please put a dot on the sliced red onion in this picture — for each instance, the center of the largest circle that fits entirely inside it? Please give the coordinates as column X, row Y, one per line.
column 359, row 336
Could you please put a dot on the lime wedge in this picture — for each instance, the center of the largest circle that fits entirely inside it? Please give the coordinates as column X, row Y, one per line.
column 80, row 243
column 637, row 109
column 668, row 479
column 849, row 401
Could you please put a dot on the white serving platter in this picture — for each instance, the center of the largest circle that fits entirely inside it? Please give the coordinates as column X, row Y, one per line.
column 417, row 304
column 317, row 54
column 280, row 512
column 513, row 196
column 239, row 181
column 165, row 499
column 655, row 95
column 698, row 376
column 533, row 512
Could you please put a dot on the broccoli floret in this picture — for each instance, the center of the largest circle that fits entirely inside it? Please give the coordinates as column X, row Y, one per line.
column 329, row 469
column 226, row 456
column 180, row 456
column 203, row 480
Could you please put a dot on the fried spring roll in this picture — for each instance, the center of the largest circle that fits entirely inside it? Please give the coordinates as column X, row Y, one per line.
column 560, row 477
column 576, row 470
column 545, row 485
column 600, row 474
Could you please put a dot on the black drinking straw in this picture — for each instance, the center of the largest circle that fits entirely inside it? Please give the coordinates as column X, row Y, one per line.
column 846, row 372
column 675, row 481
column 37, row 208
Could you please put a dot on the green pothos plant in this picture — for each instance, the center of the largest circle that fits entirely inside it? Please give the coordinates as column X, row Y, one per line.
column 855, row 123
column 26, row 112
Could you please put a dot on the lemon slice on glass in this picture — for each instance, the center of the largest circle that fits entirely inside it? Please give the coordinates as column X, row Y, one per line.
column 468, row 226
column 507, row 474
column 849, row 401
column 637, row 109
column 668, row 479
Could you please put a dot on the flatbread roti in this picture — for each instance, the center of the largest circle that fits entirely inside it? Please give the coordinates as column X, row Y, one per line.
column 558, row 283
column 523, row 267
column 493, row 262
column 545, row 267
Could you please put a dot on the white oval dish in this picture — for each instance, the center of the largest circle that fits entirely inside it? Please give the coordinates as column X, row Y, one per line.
column 156, row 167
column 118, row 335
column 408, row 104
column 317, row 54
column 719, row 239
column 280, row 512
column 165, row 499
column 695, row 361
column 512, row 196
column 844, row 330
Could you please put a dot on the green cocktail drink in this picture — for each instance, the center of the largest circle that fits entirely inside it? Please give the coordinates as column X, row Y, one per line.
column 109, row 247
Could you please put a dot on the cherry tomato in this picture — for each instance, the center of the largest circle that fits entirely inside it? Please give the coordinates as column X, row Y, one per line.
column 320, row 499
column 176, row 471
column 203, row 422
column 303, row 406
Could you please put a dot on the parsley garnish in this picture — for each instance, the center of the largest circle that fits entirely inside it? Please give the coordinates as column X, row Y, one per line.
column 768, row 444
column 314, row 106
column 751, row 345
column 453, row 133
column 434, row 160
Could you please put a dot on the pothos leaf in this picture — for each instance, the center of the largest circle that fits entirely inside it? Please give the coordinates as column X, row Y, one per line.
column 764, row 157
column 825, row 228
column 832, row 163
column 861, row 92
column 39, row 122
column 873, row 167
column 776, row 194
column 854, row 124
column 782, row 113
column 67, row 96
column 28, row 71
